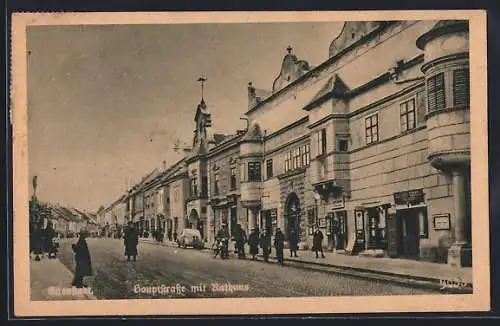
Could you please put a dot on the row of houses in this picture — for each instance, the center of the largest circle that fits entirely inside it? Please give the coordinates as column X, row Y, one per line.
column 66, row 221
column 372, row 146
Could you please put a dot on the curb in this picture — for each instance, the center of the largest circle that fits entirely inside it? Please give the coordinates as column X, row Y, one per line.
column 360, row 273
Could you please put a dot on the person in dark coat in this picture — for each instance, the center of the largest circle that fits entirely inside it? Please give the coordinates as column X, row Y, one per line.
column 294, row 243
column 240, row 238
column 265, row 244
column 49, row 234
column 318, row 243
column 131, row 239
column 82, row 259
column 253, row 242
column 279, row 244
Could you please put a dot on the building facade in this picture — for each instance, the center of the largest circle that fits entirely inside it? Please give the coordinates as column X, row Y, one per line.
column 372, row 146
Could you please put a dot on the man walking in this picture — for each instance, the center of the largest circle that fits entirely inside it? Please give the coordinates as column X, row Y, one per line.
column 318, row 243
column 130, row 241
column 265, row 243
column 241, row 239
column 253, row 242
column 279, row 244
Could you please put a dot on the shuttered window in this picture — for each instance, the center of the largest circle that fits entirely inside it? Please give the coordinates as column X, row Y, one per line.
column 435, row 92
column 461, row 87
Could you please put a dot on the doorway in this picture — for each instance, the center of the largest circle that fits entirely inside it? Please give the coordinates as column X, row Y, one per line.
column 408, row 229
column 292, row 214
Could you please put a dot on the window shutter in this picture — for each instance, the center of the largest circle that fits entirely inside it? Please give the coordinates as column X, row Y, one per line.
column 435, row 93
column 461, row 87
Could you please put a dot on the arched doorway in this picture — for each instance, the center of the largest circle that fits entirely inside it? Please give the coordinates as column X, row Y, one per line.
column 194, row 222
column 292, row 214
column 194, row 218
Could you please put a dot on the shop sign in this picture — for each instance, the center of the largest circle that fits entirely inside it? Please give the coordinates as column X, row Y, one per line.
column 338, row 204
column 410, row 197
column 441, row 221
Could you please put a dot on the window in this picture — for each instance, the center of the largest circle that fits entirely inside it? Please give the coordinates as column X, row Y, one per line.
column 288, row 159
column 371, row 129
column 216, row 184
column 296, row 158
column 343, row 145
column 461, row 87
column 253, row 171
column 306, row 154
column 204, row 186
column 194, row 187
column 435, row 92
column 407, row 115
column 322, row 142
column 233, row 178
column 269, row 168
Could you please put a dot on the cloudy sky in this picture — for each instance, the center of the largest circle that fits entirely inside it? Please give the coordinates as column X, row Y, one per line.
column 106, row 103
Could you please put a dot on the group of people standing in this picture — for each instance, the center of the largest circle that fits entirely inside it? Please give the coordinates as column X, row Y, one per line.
column 263, row 240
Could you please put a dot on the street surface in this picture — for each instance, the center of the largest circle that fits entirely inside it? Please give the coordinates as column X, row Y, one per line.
column 198, row 272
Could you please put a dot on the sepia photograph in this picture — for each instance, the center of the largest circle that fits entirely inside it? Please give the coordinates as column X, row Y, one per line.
column 184, row 163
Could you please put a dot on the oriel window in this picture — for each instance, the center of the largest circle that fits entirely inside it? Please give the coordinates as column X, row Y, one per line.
column 253, row 171
column 407, row 115
column 233, row 178
column 436, row 93
column 322, row 142
column 371, row 129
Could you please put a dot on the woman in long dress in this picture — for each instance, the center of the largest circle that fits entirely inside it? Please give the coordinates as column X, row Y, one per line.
column 82, row 259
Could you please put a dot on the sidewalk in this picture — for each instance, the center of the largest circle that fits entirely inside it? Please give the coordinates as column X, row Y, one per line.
column 404, row 271
column 51, row 280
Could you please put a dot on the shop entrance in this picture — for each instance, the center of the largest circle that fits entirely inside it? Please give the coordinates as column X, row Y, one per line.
column 410, row 224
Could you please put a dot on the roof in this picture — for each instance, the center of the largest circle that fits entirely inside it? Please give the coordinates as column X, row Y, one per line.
column 442, row 27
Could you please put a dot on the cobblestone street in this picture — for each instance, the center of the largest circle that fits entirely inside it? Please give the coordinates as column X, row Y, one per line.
column 115, row 278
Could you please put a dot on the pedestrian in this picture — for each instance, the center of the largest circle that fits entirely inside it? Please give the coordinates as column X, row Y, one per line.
column 318, row 243
column 253, row 242
column 175, row 235
column 82, row 260
column 265, row 243
column 279, row 244
column 130, row 241
column 240, row 239
column 294, row 243
column 48, row 234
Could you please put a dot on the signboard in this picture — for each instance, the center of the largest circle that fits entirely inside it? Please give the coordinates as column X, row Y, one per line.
column 338, row 204
column 441, row 221
column 415, row 196
column 322, row 222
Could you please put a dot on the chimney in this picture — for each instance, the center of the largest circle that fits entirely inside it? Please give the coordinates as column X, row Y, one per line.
column 164, row 165
column 251, row 96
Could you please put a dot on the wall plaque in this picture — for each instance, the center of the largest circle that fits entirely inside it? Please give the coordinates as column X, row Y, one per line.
column 441, row 221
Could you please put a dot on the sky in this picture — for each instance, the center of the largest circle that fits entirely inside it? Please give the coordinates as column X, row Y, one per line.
column 107, row 102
